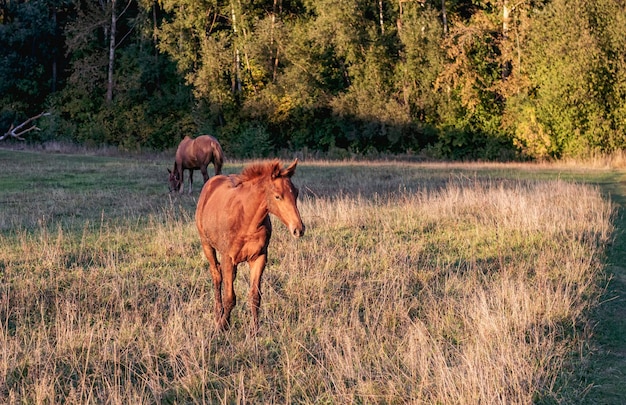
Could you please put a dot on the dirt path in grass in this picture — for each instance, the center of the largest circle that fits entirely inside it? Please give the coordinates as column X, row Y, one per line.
column 606, row 375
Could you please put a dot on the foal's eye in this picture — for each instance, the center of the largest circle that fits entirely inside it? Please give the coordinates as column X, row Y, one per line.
column 277, row 196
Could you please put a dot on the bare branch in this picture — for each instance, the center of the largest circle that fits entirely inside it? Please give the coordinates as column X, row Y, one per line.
column 17, row 131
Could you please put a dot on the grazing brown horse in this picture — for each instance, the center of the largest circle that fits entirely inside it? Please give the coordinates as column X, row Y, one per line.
column 233, row 219
column 194, row 154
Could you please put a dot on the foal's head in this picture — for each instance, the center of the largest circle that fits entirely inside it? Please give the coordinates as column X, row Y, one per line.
column 281, row 195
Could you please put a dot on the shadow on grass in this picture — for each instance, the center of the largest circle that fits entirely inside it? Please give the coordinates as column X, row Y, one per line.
column 606, row 374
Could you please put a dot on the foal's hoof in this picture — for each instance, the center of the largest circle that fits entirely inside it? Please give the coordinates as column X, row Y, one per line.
column 222, row 325
column 254, row 331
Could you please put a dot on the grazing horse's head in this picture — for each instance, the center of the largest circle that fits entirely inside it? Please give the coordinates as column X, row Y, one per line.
column 175, row 181
column 282, row 198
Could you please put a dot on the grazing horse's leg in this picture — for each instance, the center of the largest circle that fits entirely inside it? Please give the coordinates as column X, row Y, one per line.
column 256, row 271
column 181, row 176
column 229, row 273
column 216, row 275
column 190, row 180
column 217, row 166
column 205, row 174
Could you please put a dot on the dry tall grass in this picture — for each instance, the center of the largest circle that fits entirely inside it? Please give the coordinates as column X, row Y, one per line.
column 474, row 293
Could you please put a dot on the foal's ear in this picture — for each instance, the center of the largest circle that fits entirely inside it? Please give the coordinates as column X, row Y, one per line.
column 169, row 171
column 289, row 171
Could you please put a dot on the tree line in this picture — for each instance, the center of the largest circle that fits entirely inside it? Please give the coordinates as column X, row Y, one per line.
column 461, row 79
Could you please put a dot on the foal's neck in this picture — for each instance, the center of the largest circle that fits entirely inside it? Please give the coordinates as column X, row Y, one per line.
column 260, row 211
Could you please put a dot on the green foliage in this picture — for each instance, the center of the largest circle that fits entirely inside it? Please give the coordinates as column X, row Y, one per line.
column 247, row 141
column 30, row 49
column 574, row 63
column 421, row 62
column 470, row 111
column 530, row 136
column 151, row 105
column 538, row 79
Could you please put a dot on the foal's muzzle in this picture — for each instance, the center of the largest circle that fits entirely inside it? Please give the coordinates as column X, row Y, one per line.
column 298, row 231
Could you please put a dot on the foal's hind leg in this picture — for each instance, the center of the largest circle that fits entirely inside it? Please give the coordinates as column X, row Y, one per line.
column 216, row 275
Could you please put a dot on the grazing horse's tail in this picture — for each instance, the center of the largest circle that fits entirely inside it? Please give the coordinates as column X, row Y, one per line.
column 218, row 157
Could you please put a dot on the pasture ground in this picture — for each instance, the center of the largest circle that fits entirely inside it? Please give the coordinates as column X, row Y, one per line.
column 607, row 367
column 449, row 283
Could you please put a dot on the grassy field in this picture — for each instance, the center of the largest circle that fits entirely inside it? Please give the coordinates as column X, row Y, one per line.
column 418, row 283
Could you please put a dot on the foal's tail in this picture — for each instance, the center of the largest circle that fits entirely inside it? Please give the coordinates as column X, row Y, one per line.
column 218, row 157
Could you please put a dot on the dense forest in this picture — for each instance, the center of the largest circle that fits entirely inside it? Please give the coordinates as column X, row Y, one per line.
column 456, row 79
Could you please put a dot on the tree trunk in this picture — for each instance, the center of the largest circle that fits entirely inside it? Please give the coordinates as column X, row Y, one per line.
column 53, row 85
column 236, row 86
column 444, row 17
column 275, row 10
column 111, row 52
column 380, row 17
column 507, row 65
column 506, row 19
column 155, row 31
